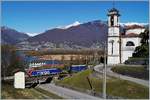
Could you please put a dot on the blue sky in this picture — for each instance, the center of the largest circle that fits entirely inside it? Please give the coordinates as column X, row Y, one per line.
column 36, row 16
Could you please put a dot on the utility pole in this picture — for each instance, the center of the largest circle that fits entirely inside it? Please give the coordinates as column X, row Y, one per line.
column 104, row 71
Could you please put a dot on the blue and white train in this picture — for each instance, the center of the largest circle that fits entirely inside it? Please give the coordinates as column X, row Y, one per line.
column 51, row 71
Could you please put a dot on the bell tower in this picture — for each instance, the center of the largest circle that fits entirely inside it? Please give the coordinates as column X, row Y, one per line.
column 113, row 37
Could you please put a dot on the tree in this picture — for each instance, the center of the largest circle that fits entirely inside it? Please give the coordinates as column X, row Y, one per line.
column 15, row 62
column 5, row 58
column 10, row 60
column 143, row 49
column 145, row 37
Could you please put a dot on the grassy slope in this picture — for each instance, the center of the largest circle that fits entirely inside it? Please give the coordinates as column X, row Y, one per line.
column 8, row 92
column 115, row 87
column 138, row 72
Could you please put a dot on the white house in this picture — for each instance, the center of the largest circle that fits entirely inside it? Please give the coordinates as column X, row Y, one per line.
column 121, row 46
column 19, row 80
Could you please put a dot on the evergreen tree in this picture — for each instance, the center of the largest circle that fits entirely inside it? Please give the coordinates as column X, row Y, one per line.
column 143, row 49
column 145, row 37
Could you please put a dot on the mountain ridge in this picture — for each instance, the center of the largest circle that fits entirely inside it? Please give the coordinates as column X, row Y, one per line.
column 78, row 34
column 84, row 32
column 11, row 36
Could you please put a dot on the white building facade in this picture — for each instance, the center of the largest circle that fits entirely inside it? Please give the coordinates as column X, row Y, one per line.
column 113, row 37
column 121, row 47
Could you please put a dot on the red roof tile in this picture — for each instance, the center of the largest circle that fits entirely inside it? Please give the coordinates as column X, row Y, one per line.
column 130, row 35
column 133, row 27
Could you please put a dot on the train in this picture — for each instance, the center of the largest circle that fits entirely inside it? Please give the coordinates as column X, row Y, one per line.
column 55, row 71
column 77, row 68
column 42, row 72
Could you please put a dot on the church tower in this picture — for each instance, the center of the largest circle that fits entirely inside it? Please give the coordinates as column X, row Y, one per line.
column 113, row 37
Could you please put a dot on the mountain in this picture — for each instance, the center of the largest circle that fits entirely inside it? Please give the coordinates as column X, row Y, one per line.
column 81, row 34
column 73, row 36
column 76, row 23
column 11, row 36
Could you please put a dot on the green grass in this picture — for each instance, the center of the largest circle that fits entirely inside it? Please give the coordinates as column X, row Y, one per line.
column 9, row 92
column 127, row 89
column 133, row 71
column 115, row 87
column 78, row 80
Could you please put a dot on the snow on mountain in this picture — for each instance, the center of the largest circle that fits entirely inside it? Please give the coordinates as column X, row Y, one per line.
column 84, row 34
column 76, row 23
column 32, row 34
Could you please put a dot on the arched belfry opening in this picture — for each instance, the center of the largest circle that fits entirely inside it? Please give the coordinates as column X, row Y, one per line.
column 113, row 17
column 111, row 21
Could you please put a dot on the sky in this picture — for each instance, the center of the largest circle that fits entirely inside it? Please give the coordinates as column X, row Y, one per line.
column 35, row 17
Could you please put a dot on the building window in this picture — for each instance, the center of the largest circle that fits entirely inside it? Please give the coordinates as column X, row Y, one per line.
column 112, row 43
column 111, row 21
column 130, row 43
